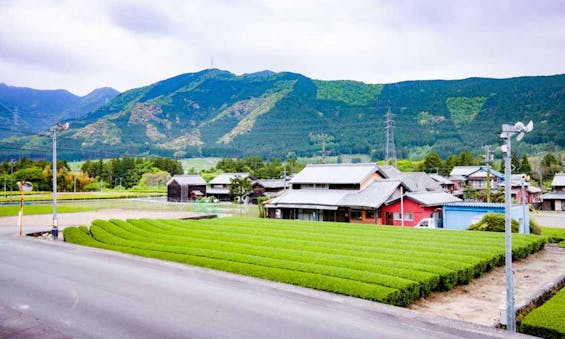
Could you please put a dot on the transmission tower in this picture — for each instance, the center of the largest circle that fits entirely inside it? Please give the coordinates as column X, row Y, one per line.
column 323, row 137
column 390, row 151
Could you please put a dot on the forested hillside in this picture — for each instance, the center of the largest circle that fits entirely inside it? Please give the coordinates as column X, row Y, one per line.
column 26, row 110
column 216, row 113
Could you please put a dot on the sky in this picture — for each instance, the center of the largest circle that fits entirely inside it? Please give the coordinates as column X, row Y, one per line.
column 124, row 44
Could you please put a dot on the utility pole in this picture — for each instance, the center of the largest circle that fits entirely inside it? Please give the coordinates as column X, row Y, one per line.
column 57, row 128
column 506, row 134
column 488, row 158
column 390, row 151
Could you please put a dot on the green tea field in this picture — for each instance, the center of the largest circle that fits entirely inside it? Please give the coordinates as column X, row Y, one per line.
column 386, row 264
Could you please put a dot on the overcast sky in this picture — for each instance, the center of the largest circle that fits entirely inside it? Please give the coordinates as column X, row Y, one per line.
column 83, row 45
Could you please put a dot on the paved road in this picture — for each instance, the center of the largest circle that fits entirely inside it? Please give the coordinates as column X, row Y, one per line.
column 553, row 219
column 52, row 289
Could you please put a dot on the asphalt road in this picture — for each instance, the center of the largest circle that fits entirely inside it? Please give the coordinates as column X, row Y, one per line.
column 52, row 289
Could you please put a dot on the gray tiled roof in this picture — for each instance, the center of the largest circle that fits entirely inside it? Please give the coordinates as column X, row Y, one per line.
column 432, row 198
column 415, row 181
column 466, row 171
column 441, row 179
column 270, row 183
column 191, row 180
column 334, row 173
column 374, row 195
column 420, row 182
column 305, row 198
column 558, row 180
column 554, row 196
column 225, row 178
column 390, row 172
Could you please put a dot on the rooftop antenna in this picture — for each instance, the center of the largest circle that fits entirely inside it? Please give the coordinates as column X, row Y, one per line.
column 390, row 151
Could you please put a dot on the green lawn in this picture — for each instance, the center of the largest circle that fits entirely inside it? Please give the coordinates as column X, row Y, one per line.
column 554, row 234
column 386, row 264
column 47, row 196
column 7, row 211
column 548, row 320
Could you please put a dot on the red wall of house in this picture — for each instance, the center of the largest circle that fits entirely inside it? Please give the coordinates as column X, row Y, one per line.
column 418, row 212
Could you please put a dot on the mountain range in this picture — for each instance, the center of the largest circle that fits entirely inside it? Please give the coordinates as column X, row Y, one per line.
column 217, row 113
column 26, row 110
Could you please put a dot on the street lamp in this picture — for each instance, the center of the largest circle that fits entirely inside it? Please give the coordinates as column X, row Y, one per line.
column 506, row 133
column 57, row 128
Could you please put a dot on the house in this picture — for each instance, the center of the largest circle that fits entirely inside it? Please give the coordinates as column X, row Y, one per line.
column 415, row 206
column 355, row 206
column 460, row 215
column 353, row 193
column 446, row 184
column 323, row 192
column 531, row 193
column 219, row 187
column 555, row 200
column 269, row 188
column 182, row 188
column 336, row 176
column 475, row 177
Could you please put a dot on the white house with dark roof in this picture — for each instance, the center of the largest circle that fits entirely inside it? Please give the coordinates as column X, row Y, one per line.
column 324, row 192
column 475, row 177
column 219, row 187
column 555, row 200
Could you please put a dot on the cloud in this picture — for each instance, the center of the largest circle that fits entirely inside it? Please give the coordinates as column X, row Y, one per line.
column 126, row 43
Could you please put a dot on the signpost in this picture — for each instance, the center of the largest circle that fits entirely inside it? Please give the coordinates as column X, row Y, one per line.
column 24, row 186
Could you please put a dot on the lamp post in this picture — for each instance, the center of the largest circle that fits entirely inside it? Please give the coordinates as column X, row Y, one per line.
column 506, row 133
column 57, row 128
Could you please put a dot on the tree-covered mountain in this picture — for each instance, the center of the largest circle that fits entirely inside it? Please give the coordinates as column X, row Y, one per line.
column 26, row 110
column 217, row 113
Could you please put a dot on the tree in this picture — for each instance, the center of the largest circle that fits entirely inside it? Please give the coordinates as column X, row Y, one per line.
column 432, row 163
column 525, row 166
column 239, row 186
column 466, row 159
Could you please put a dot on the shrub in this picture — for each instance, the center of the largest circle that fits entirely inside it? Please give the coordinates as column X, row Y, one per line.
column 493, row 222
column 534, row 227
column 548, row 320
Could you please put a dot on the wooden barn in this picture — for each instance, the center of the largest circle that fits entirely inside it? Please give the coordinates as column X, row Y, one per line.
column 183, row 188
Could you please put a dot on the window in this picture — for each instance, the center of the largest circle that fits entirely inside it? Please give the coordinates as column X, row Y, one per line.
column 355, row 215
column 370, row 214
column 407, row 216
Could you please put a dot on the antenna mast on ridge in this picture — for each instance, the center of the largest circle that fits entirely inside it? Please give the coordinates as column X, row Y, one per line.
column 390, row 152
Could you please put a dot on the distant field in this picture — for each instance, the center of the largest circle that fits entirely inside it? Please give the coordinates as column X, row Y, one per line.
column 345, row 158
column 80, row 196
column 386, row 264
column 6, row 211
column 199, row 164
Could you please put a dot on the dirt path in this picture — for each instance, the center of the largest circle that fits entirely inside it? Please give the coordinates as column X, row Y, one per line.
column 480, row 301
